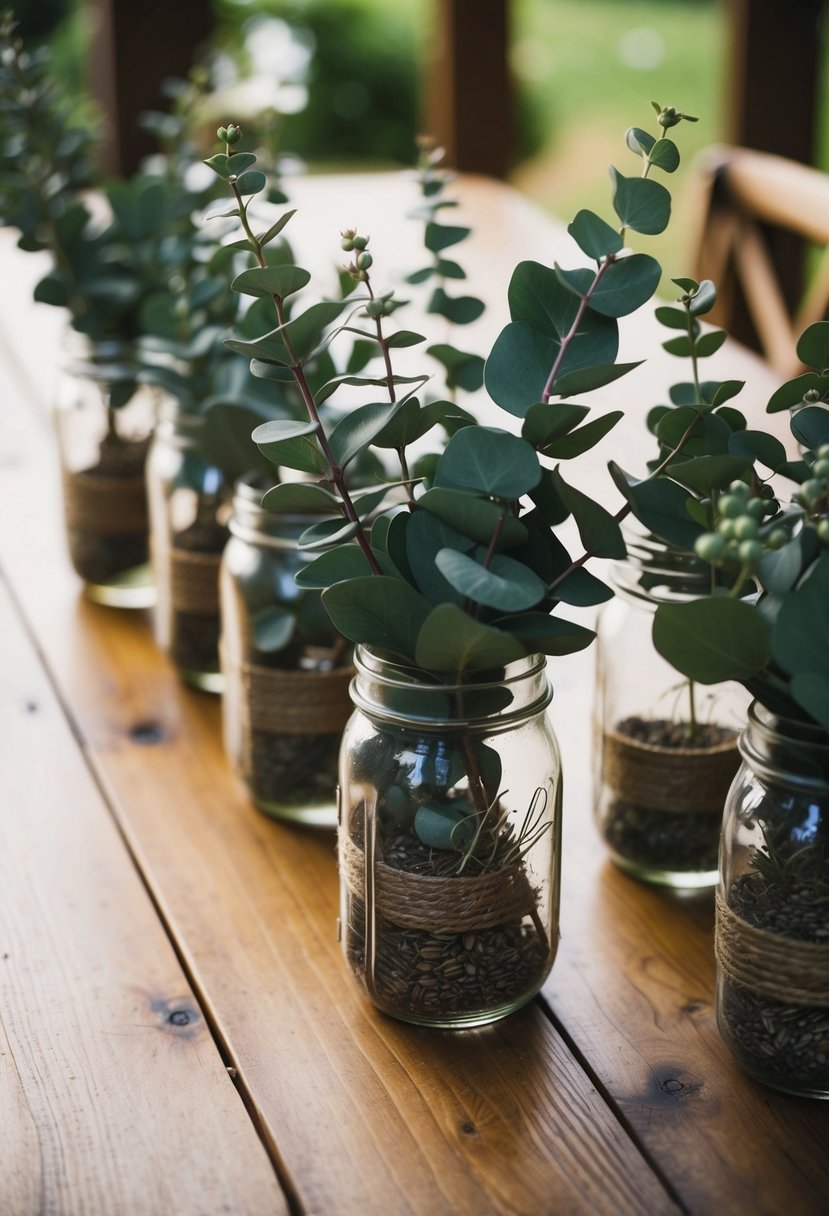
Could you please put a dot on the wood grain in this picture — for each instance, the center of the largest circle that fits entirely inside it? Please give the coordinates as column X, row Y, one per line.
column 113, row 1096
column 361, row 1112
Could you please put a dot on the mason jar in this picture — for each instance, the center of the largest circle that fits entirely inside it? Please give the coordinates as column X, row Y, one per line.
column 104, row 421
column 449, row 840
column 772, row 926
column 286, row 670
column 665, row 748
column 189, row 509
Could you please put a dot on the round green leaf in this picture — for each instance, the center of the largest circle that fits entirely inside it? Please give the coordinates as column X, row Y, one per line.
column 490, row 461
column 450, row 640
column 641, row 204
column 507, row 584
column 378, row 611
column 593, row 235
column 813, row 346
column 712, row 639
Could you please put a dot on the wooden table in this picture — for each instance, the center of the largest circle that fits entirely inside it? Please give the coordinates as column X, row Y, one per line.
column 178, row 1030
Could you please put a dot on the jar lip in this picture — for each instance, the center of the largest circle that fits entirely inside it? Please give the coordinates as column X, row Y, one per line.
column 677, row 575
column 785, row 749
column 410, row 698
column 367, row 661
column 101, row 358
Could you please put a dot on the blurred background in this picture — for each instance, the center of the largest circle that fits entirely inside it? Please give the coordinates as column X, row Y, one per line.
column 354, row 80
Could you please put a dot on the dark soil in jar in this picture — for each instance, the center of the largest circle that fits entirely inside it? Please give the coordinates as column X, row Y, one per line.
column 421, row 972
column 194, row 636
column 784, row 1043
column 99, row 558
column 663, row 838
column 292, row 770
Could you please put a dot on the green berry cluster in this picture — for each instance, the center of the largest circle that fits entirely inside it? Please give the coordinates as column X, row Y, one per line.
column 230, row 134
column 813, row 494
column 360, row 265
column 740, row 536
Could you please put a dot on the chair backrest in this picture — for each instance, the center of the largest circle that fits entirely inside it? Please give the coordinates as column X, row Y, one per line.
column 759, row 216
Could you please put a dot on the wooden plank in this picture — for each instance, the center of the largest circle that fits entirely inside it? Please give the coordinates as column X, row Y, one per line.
column 252, row 904
column 469, row 98
column 360, row 1112
column 113, row 1096
column 134, row 48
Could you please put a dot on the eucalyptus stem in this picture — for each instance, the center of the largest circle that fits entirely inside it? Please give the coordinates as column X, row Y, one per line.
column 298, row 372
column 693, row 725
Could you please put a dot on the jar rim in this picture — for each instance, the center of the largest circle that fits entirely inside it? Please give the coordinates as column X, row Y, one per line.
column 785, row 750
column 414, row 696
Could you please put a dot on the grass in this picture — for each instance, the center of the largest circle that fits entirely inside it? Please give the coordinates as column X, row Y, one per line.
column 588, row 70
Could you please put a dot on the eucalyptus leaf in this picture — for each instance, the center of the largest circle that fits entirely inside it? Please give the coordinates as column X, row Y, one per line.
column 460, row 310
column 357, row 430
column 712, row 639
column 547, row 421
column 442, row 236
column 426, row 536
column 810, row 426
column 665, row 155
column 378, row 611
column 600, row 533
column 661, row 505
column 450, row 640
column 334, row 566
column 705, row 474
column 584, row 438
column 758, row 445
column 264, row 281
column 291, row 443
column 623, row 286
column 272, row 627
column 301, row 498
column 548, row 634
column 593, row 235
column 490, row 461
column 640, row 203
column 505, row 584
column 328, row 532
column 813, row 346
column 792, row 393
column 477, row 518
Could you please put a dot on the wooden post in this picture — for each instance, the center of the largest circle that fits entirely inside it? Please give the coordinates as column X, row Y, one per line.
column 469, row 99
column 773, row 71
column 134, row 48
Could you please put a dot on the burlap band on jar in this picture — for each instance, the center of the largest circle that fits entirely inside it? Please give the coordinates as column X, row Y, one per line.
column 194, row 582
column 440, row 905
column 104, row 506
column 788, row 971
column 282, row 702
column 679, row 779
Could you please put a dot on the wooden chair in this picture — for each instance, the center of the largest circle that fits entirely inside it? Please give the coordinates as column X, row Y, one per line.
column 759, row 217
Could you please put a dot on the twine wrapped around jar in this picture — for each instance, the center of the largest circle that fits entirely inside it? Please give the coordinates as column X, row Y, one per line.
column 194, row 582
column 673, row 779
column 104, row 506
column 440, row 905
column 769, row 964
column 295, row 702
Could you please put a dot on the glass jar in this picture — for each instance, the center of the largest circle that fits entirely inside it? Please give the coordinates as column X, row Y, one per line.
column 772, row 929
column 286, row 670
column 189, row 509
column 665, row 748
column 104, row 421
column 449, row 840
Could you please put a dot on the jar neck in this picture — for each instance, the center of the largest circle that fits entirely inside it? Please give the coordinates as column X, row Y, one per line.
column 655, row 572
column 178, row 427
column 251, row 523
column 783, row 751
column 108, row 359
column 389, row 691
